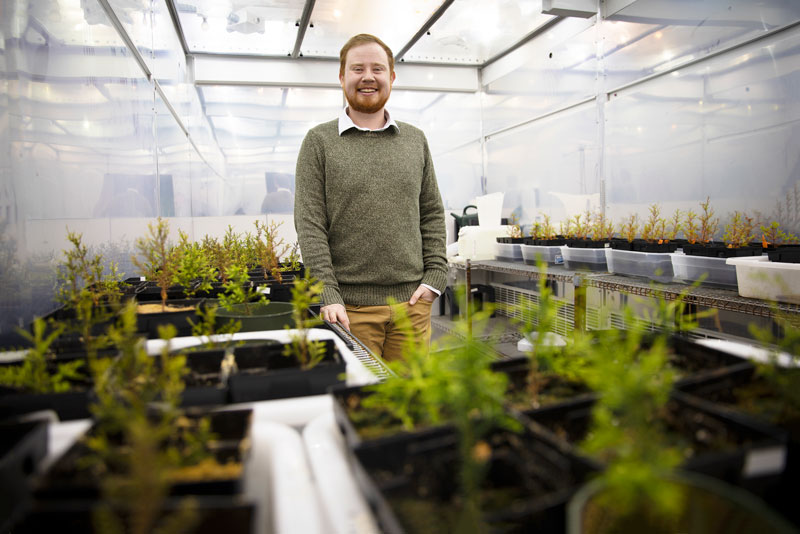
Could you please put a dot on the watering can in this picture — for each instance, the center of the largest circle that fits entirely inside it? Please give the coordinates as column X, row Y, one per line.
column 466, row 219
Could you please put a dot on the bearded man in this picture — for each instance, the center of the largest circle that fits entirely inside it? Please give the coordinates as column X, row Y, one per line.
column 368, row 213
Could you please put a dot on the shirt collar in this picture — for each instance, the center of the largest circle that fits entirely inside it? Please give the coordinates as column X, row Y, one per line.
column 345, row 122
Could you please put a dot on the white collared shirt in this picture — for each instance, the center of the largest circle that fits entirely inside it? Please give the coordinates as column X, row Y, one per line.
column 345, row 122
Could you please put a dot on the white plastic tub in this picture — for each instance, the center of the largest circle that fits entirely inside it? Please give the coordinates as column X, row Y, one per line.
column 759, row 278
column 508, row 251
column 548, row 254
column 587, row 259
column 715, row 271
column 651, row 265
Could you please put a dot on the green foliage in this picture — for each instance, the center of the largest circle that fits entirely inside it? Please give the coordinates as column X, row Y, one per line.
column 739, row 232
column 783, row 376
column 292, row 260
column 33, row 375
column 708, row 223
column 629, row 227
column 627, row 434
column 774, row 235
column 218, row 257
column 536, row 321
column 158, row 260
column 654, row 227
column 195, row 271
column 206, row 325
column 140, row 437
column 269, row 248
column 456, row 385
column 87, row 289
column 305, row 292
column 691, row 228
column 238, row 289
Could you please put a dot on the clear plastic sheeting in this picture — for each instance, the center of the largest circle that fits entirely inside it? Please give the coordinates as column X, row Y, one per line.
column 262, row 27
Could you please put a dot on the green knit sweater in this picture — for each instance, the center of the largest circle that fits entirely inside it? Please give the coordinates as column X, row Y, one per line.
column 368, row 214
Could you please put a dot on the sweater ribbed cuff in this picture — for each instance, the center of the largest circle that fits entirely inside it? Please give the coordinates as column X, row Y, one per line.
column 330, row 296
column 435, row 278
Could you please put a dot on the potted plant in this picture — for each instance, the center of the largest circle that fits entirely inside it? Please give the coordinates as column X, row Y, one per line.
column 581, row 252
column 90, row 294
column 41, row 382
column 160, row 262
column 641, row 489
column 635, row 396
column 143, row 457
column 544, row 244
column 508, row 248
column 242, row 301
column 301, row 367
column 461, row 470
column 779, row 245
column 648, row 256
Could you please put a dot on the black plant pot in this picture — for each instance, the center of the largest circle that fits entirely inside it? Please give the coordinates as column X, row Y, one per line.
column 215, row 514
column 415, row 488
column 391, row 437
column 265, row 373
column 789, row 254
column 586, row 243
column 640, row 245
column 719, row 250
column 23, row 445
column 68, row 406
column 555, row 242
column 68, row 479
column 511, row 240
column 701, row 425
column 744, row 390
column 177, row 313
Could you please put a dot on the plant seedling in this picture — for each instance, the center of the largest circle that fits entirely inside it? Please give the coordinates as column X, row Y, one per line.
column 305, row 292
column 158, row 260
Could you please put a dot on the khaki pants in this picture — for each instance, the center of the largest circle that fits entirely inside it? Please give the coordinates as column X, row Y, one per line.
column 375, row 327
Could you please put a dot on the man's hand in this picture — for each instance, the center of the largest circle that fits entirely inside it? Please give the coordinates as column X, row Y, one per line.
column 423, row 293
column 335, row 313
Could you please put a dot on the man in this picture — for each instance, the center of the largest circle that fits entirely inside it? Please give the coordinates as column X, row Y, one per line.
column 368, row 212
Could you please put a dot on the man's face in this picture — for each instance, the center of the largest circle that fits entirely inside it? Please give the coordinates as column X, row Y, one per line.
column 366, row 81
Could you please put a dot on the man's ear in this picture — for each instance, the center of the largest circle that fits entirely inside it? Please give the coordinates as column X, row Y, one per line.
column 394, row 75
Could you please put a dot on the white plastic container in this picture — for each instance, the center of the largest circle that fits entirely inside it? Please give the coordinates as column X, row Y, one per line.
column 548, row 254
column 587, row 259
column 691, row 268
column 759, row 278
column 651, row 265
column 508, row 251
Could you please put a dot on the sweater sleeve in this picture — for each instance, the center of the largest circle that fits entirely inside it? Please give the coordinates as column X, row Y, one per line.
column 432, row 228
column 310, row 217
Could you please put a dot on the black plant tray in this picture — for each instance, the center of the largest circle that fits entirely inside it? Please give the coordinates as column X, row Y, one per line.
column 68, row 406
column 148, row 291
column 23, row 445
column 148, row 323
column 640, row 245
column 264, row 373
column 278, row 292
column 787, row 254
column 511, row 240
column 555, row 242
column 719, row 250
column 743, row 389
column 395, row 440
column 697, row 424
column 216, row 513
column 586, row 243
column 420, row 482
column 65, row 480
